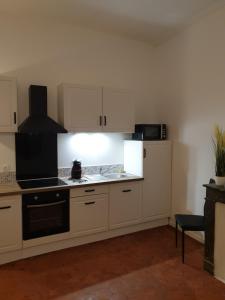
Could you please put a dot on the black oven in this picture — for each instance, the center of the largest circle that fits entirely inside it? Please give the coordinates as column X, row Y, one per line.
column 45, row 213
column 150, row 132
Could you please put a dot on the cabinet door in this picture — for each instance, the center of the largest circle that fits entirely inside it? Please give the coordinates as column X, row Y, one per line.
column 88, row 191
column 88, row 214
column 82, row 108
column 118, row 111
column 157, row 180
column 10, row 223
column 8, row 105
column 124, row 204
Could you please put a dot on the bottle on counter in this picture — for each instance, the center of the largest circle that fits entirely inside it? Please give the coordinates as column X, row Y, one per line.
column 76, row 170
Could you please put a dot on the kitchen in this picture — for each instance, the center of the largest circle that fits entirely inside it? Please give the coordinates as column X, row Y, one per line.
column 107, row 73
column 107, row 197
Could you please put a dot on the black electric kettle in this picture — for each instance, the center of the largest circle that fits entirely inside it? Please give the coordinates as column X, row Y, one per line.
column 76, row 170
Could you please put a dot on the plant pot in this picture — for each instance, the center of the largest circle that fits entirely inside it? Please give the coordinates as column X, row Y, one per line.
column 220, row 180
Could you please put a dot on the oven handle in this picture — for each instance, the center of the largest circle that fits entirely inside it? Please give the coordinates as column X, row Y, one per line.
column 45, row 204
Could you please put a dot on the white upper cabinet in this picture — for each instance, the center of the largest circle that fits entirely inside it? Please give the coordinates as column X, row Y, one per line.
column 80, row 107
column 86, row 108
column 118, row 110
column 8, row 105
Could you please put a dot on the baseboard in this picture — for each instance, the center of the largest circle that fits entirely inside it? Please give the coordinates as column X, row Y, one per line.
column 220, row 279
column 198, row 236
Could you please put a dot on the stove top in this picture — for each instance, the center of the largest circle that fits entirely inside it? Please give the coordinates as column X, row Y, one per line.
column 39, row 183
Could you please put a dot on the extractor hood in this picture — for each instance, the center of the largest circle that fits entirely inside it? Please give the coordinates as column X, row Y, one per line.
column 38, row 120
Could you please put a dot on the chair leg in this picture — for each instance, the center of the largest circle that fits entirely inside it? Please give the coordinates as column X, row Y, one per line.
column 183, row 245
column 176, row 234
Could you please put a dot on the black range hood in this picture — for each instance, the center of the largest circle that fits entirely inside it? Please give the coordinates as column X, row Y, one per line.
column 38, row 121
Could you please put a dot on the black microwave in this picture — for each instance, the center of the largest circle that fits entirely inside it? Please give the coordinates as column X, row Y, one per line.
column 150, row 132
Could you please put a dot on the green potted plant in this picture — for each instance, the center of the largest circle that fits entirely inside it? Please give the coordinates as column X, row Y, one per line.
column 219, row 150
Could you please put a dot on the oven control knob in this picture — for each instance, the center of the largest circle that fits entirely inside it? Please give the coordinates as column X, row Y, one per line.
column 57, row 195
column 35, row 197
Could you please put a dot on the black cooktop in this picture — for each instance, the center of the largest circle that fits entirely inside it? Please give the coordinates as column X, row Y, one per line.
column 39, row 183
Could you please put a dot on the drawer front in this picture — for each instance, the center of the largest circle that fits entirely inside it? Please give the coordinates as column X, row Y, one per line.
column 89, row 215
column 125, row 204
column 89, row 190
column 10, row 223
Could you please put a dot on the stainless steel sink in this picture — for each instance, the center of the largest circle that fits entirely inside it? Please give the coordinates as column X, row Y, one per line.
column 95, row 177
column 117, row 175
column 107, row 176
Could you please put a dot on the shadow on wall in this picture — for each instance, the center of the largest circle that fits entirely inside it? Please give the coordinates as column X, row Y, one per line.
column 182, row 182
column 50, row 54
column 192, row 93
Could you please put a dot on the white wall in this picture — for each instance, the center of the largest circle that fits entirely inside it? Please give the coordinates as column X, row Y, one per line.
column 181, row 83
column 92, row 149
column 36, row 52
column 192, row 72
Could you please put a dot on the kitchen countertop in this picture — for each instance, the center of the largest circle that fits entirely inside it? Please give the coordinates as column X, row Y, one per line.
column 9, row 189
column 96, row 179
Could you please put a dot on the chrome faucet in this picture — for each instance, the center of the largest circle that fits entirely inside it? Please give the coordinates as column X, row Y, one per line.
column 101, row 172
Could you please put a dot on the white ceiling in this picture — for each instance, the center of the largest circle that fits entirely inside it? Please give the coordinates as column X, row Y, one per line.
column 148, row 20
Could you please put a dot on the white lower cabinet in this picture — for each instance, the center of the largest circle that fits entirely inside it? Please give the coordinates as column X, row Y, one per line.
column 116, row 205
column 125, row 204
column 10, row 223
column 89, row 191
column 88, row 214
column 94, row 209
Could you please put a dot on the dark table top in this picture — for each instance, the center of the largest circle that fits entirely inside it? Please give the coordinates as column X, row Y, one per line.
column 213, row 186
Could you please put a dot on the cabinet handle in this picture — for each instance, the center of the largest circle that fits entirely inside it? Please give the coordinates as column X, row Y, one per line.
column 100, row 120
column 45, row 204
column 14, row 115
column 5, row 207
column 89, row 203
column 126, row 191
column 144, row 153
column 105, row 121
column 89, row 191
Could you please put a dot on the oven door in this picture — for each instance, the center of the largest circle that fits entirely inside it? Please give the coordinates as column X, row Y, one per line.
column 45, row 214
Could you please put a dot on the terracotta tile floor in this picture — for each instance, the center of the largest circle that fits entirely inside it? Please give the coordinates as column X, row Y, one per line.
column 144, row 265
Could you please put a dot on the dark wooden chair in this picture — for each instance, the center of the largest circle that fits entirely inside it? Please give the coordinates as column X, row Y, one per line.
column 188, row 223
